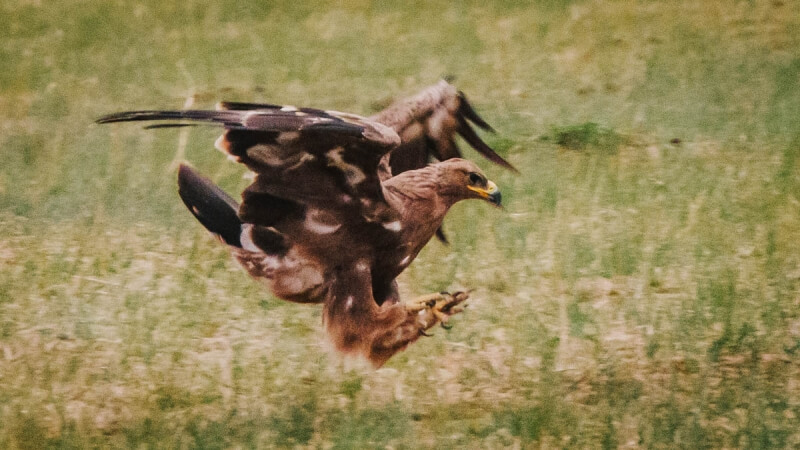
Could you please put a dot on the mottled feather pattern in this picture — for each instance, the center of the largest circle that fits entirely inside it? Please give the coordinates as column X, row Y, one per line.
column 323, row 220
column 283, row 144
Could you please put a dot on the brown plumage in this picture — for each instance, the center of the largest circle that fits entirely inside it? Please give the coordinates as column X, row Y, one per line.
column 323, row 223
column 428, row 123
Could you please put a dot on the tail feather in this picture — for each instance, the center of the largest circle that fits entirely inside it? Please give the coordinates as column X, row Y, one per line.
column 215, row 209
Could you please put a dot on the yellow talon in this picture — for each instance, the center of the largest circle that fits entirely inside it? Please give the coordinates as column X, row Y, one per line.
column 440, row 316
column 436, row 308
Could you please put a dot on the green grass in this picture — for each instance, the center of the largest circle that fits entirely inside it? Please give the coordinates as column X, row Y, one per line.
column 640, row 289
column 587, row 135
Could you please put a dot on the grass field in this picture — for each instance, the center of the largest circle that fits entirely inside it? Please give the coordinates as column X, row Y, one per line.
column 640, row 290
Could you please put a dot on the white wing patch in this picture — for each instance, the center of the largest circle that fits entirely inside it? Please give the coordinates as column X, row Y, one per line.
column 320, row 222
column 405, row 260
column 287, row 137
column 223, row 145
column 246, row 239
column 393, row 226
column 352, row 173
column 362, row 265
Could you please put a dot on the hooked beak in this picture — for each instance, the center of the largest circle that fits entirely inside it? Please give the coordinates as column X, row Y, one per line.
column 491, row 193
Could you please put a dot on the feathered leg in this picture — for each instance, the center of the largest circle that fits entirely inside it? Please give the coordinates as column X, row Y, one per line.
column 420, row 315
column 356, row 324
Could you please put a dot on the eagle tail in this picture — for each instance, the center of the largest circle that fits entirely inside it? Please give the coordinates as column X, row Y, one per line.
column 212, row 207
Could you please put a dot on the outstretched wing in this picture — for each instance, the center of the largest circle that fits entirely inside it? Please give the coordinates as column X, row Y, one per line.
column 428, row 123
column 316, row 183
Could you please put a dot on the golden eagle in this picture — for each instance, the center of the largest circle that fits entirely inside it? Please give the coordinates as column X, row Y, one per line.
column 341, row 205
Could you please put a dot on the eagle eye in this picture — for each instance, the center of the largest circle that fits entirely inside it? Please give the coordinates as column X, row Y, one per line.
column 475, row 178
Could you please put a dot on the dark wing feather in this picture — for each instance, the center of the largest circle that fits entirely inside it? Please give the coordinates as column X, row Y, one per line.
column 273, row 120
column 472, row 138
column 465, row 109
column 246, row 106
column 428, row 123
column 316, row 172
column 210, row 205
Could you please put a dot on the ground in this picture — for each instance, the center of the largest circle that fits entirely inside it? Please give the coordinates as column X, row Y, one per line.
column 640, row 289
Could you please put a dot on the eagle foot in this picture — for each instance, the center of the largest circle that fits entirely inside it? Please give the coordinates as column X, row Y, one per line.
column 436, row 308
column 421, row 314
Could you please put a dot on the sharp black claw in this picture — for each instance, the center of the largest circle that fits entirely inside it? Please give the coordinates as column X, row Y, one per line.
column 446, row 326
column 423, row 333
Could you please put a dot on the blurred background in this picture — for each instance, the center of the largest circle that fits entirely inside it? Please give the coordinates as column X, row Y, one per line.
column 640, row 289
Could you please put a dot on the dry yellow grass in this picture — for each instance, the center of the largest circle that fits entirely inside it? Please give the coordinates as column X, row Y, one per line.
column 639, row 290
